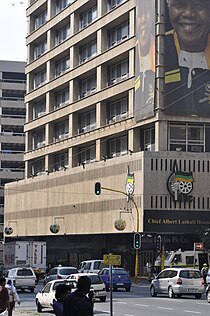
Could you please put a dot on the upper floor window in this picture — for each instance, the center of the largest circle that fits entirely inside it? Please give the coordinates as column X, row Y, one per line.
column 118, row 72
column 118, row 34
column 62, row 34
column 87, row 86
column 87, row 121
column 62, row 66
column 117, row 147
column 87, row 51
column 61, row 4
column 118, row 110
column 61, row 130
column 186, row 138
column 38, row 139
column 39, row 109
column 38, row 167
column 149, row 139
column 87, row 17
column 87, row 154
column 39, row 78
column 40, row 49
column 40, row 19
column 113, row 3
column 61, row 98
column 60, row 161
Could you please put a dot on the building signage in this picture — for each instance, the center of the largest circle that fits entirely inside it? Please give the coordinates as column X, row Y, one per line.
column 157, row 221
column 180, row 184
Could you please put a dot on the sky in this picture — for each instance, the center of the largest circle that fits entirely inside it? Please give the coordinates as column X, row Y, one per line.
column 13, row 30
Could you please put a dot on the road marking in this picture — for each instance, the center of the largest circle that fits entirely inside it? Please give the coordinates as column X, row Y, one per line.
column 117, row 302
column 142, row 305
column 129, row 315
column 168, row 308
column 186, row 311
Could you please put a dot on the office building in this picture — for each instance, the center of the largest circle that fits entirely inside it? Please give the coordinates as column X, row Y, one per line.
column 85, row 124
column 12, row 139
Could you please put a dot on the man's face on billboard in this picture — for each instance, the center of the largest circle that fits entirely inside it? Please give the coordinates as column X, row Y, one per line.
column 145, row 22
column 191, row 21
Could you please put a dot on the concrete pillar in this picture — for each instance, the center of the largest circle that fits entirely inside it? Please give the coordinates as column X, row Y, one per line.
column 71, row 125
column 47, row 134
column 99, row 78
column 131, row 103
column 98, row 150
column 48, row 102
column 161, row 136
column 131, row 63
column 132, row 23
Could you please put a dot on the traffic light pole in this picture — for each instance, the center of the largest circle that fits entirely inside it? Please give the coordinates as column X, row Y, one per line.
column 137, row 227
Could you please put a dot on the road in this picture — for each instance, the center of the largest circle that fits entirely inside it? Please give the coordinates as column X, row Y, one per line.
column 135, row 303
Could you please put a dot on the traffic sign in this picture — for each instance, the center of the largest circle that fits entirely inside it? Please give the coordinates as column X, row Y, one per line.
column 114, row 260
column 199, row 246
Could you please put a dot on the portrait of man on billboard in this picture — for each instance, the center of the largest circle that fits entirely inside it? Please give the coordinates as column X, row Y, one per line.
column 187, row 58
column 145, row 59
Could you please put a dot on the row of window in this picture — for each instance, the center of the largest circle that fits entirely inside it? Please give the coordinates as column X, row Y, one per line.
column 167, row 202
column 87, row 51
column 116, row 111
column 85, row 18
column 85, row 154
column 87, row 86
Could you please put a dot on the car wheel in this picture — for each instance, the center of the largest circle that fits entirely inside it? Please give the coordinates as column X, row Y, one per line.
column 170, row 292
column 152, row 291
column 198, row 295
column 39, row 307
column 208, row 296
column 179, row 295
column 127, row 289
column 103, row 299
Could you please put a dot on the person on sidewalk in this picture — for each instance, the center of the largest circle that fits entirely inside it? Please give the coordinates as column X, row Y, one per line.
column 4, row 296
column 77, row 303
column 61, row 292
column 13, row 296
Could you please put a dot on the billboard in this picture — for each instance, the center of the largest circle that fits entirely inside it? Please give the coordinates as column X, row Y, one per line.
column 145, row 59
column 187, row 58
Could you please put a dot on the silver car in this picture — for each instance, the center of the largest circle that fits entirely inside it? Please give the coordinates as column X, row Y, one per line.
column 178, row 281
column 59, row 272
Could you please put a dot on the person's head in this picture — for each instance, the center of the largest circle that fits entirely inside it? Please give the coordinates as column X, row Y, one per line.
column 191, row 21
column 146, row 21
column 2, row 281
column 9, row 282
column 84, row 284
column 62, row 290
column 205, row 265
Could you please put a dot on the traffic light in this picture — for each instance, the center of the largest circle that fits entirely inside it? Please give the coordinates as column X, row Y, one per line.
column 158, row 243
column 97, row 188
column 137, row 240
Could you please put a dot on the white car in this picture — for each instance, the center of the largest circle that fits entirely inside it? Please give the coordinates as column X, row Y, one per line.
column 44, row 298
column 22, row 278
column 97, row 284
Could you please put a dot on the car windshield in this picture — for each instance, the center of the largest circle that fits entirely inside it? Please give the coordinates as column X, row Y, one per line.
column 190, row 274
column 68, row 271
column 24, row 272
column 71, row 284
column 95, row 279
column 119, row 271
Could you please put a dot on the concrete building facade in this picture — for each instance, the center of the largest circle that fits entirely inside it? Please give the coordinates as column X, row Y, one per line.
column 81, row 129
